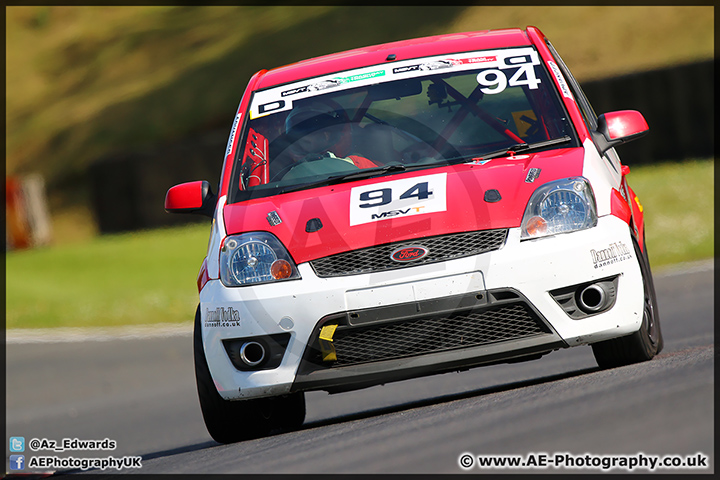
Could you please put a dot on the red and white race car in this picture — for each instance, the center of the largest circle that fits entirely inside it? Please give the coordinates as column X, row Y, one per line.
column 413, row 208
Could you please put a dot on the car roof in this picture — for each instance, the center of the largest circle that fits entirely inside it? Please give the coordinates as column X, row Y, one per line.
column 403, row 50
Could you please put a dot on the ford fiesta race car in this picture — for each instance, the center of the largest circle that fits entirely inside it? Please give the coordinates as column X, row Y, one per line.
column 438, row 204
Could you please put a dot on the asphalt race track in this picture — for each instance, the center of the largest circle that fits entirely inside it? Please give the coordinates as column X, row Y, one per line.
column 140, row 392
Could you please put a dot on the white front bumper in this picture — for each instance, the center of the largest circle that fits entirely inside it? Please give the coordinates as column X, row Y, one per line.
column 532, row 267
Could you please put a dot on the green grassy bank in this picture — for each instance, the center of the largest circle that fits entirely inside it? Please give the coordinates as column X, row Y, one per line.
column 679, row 202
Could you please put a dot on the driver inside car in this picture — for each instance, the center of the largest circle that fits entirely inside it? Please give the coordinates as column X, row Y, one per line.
column 322, row 130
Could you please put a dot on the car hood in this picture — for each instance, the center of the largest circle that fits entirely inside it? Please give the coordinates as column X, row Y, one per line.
column 467, row 205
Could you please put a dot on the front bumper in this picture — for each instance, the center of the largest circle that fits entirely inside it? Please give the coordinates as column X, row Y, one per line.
column 382, row 344
column 429, row 299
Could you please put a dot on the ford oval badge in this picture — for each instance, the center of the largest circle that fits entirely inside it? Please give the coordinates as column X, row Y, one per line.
column 409, row 254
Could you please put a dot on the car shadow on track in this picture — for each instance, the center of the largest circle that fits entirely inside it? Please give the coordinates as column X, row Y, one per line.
column 179, row 450
column 400, row 407
column 439, row 399
column 376, row 412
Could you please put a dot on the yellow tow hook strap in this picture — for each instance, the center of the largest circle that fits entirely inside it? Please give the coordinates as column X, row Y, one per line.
column 327, row 332
column 326, row 347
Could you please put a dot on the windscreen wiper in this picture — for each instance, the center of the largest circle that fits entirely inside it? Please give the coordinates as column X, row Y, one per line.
column 523, row 147
column 398, row 167
column 349, row 177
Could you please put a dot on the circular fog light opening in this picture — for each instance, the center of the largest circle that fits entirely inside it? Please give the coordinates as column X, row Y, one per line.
column 252, row 353
column 592, row 298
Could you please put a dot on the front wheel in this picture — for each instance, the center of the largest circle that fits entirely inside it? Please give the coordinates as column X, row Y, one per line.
column 233, row 421
column 646, row 342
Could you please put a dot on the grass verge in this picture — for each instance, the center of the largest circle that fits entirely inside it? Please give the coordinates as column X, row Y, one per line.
column 678, row 199
column 141, row 278
column 149, row 277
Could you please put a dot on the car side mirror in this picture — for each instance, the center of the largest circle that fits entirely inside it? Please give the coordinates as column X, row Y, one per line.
column 191, row 197
column 615, row 128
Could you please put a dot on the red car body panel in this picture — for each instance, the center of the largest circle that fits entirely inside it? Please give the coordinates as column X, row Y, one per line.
column 619, row 207
column 403, row 50
column 637, row 216
column 466, row 208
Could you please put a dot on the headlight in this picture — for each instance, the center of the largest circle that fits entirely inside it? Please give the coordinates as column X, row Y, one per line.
column 253, row 258
column 559, row 207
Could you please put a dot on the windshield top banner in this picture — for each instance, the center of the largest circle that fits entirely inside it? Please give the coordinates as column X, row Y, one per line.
column 280, row 98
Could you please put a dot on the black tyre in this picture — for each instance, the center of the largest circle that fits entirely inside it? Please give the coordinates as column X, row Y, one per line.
column 646, row 342
column 233, row 421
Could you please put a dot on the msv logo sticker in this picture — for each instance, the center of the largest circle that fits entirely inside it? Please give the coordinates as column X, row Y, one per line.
column 398, row 198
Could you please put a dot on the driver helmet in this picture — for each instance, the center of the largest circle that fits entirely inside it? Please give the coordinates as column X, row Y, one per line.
column 315, row 116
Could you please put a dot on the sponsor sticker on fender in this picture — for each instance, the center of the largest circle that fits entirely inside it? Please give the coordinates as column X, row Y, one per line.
column 398, row 198
column 614, row 253
column 222, row 317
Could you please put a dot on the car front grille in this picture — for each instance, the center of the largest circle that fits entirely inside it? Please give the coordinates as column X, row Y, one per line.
column 433, row 335
column 440, row 248
column 512, row 318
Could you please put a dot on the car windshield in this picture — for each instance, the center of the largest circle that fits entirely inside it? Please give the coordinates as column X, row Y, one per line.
column 391, row 118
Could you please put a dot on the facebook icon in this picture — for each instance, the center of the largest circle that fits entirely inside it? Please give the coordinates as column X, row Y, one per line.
column 17, row 462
